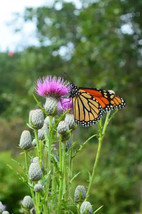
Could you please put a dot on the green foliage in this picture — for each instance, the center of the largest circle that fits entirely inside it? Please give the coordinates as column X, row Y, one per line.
column 12, row 189
column 113, row 187
column 9, row 132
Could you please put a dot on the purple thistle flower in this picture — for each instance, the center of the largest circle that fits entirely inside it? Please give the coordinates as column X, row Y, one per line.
column 65, row 104
column 4, row 207
column 52, row 86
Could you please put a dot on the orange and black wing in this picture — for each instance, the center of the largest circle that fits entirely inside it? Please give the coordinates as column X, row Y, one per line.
column 87, row 110
column 107, row 99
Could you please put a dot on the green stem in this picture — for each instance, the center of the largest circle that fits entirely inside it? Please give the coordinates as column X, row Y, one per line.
column 53, row 187
column 45, row 208
column 49, row 156
column 36, row 199
column 38, row 206
column 39, row 203
column 26, row 166
column 94, row 167
column 78, row 208
column 49, row 141
column 64, row 168
column 46, row 189
column 70, row 163
column 39, row 154
column 38, row 150
column 107, row 120
column 60, row 178
column 26, row 161
column 100, row 140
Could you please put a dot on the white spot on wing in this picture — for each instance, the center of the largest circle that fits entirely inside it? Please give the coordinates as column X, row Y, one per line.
column 111, row 91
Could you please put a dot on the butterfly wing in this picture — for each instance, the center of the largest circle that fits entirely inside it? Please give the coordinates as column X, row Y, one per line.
column 87, row 110
column 107, row 99
column 89, row 104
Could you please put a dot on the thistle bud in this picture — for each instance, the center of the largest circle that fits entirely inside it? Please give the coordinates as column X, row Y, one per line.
column 62, row 127
column 35, row 172
column 28, row 202
column 34, row 142
column 80, row 193
column 25, row 140
column 42, row 131
column 50, row 105
column 62, row 130
column 36, row 160
column 36, row 118
column 1, row 207
column 38, row 187
column 86, row 208
column 69, row 118
column 46, row 120
column 5, row 212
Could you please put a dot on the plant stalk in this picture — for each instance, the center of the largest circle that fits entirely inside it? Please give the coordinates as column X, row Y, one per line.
column 100, row 140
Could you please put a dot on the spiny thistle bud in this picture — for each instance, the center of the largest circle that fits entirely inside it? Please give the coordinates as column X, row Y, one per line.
column 36, row 118
column 25, row 140
column 32, row 211
column 34, row 142
column 38, row 187
column 42, row 131
column 86, row 208
column 1, row 207
column 5, row 212
column 50, row 105
column 35, row 172
column 69, row 118
column 46, row 120
column 62, row 127
column 28, row 202
column 80, row 193
column 36, row 160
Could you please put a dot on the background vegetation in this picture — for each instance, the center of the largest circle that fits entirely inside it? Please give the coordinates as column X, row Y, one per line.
column 98, row 45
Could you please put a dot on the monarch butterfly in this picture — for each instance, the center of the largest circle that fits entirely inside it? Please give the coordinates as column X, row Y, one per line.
column 89, row 104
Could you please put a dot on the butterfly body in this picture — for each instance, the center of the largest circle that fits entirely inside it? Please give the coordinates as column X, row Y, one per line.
column 89, row 104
